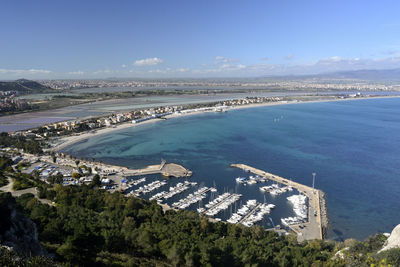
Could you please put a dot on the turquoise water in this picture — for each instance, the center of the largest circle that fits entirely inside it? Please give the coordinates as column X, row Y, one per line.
column 353, row 146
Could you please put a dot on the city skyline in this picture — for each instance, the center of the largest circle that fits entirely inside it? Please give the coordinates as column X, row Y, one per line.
column 183, row 39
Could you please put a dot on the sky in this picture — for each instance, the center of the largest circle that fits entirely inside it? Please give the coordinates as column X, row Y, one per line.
column 47, row 39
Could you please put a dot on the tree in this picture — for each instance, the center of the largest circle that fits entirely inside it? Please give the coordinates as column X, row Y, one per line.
column 76, row 175
column 5, row 162
column 82, row 247
column 77, row 162
column 96, row 181
column 54, row 159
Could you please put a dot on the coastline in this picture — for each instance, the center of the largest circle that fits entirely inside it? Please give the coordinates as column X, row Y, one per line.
column 72, row 139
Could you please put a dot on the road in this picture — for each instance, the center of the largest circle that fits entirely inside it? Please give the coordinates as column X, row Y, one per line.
column 17, row 193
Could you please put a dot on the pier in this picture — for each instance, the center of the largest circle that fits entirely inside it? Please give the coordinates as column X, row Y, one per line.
column 222, row 202
column 166, row 169
column 250, row 213
column 218, row 203
column 317, row 222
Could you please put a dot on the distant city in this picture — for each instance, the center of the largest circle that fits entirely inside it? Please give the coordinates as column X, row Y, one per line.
column 273, row 83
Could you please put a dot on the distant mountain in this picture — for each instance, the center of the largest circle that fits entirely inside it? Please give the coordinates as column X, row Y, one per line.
column 24, row 86
column 375, row 75
column 386, row 75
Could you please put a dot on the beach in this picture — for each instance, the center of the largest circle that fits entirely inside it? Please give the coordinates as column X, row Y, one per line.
column 72, row 139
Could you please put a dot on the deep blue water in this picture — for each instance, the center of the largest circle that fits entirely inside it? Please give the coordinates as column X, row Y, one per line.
column 353, row 146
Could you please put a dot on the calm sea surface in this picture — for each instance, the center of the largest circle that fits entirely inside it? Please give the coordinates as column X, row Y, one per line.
column 353, row 146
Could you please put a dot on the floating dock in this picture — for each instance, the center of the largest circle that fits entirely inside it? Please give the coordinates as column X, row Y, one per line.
column 317, row 223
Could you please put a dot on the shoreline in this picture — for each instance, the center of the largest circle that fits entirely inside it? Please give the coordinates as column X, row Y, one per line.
column 72, row 139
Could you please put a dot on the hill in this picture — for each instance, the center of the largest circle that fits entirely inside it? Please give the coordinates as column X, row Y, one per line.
column 90, row 227
column 24, row 86
column 369, row 75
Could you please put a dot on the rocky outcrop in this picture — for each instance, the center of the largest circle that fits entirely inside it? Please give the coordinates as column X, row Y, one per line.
column 16, row 230
column 394, row 239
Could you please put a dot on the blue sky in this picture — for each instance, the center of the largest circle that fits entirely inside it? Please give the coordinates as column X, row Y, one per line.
column 100, row 39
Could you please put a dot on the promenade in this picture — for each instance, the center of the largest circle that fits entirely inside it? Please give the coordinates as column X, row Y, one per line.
column 317, row 215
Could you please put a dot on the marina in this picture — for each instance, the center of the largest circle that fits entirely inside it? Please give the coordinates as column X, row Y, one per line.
column 192, row 198
column 275, row 190
column 306, row 218
column 222, row 202
column 315, row 226
column 225, row 206
column 136, row 182
column 299, row 203
column 250, row 180
column 173, row 190
column 257, row 214
column 251, row 213
column 148, row 188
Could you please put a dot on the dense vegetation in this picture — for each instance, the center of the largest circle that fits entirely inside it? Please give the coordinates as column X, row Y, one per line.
column 28, row 145
column 10, row 258
column 93, row 227
column 5, row 163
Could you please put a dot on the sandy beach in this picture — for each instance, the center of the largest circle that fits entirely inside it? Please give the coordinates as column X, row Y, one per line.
column 69, row 140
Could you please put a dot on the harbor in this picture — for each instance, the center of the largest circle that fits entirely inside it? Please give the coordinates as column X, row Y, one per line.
column 315, row 225
column 301, row 208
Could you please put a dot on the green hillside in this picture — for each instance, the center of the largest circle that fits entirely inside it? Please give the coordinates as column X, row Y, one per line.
column 24, row 86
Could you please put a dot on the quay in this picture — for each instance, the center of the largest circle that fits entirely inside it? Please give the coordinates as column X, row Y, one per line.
column 166, row 169
column 315, row 227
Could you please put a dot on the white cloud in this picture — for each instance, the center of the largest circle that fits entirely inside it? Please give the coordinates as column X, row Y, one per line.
column 148, row 62
column 157, row 71
column 335, row 59
column 220, row 59
column 23, row 72
column 232, row 67
column 220, row 67
column 76, row 72
column 182, row 70
column 123, row 66
column 169, row 71
column 106, row 71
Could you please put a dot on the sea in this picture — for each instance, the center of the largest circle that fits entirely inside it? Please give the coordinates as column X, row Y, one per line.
column 29, row 120
column 352, row 146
